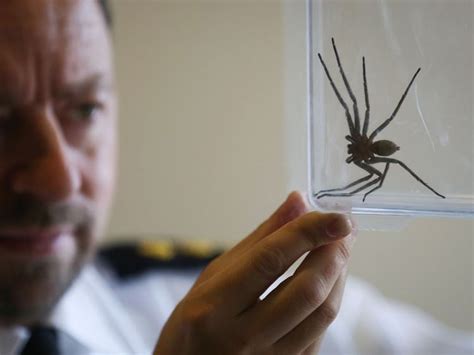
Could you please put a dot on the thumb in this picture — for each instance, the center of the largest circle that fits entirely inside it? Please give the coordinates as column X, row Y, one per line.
column 294, row 206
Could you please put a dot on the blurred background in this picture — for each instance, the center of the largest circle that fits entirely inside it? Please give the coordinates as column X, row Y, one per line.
column 213, row 138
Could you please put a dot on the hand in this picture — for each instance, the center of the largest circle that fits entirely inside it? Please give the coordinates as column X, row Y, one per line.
column 223, row 314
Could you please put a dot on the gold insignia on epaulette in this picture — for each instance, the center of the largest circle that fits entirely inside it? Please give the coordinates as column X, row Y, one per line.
column 198, row 248
column 163, row 250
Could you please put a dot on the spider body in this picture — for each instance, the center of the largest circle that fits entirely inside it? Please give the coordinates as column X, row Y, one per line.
column 363, row 150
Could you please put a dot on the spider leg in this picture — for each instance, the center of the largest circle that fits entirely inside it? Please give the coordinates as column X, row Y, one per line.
column 348, row 87
column 365, row 178
column 350, row 139
column 388, row 120
column 384, row 174
column 339, row 97
column 351, row 193
column 367, row 105
column 412, row 173
column 370, row 169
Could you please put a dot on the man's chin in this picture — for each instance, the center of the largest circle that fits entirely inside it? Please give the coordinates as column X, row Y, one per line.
column 29, row 291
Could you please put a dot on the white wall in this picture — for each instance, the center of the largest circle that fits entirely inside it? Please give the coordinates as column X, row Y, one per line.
column 208, row 149
column 202, row 116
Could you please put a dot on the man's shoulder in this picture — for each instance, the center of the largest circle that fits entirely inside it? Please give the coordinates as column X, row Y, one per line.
column 135, row 286
column 135, row 259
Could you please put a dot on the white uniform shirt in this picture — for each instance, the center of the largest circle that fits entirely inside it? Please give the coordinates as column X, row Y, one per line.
column 103, row 316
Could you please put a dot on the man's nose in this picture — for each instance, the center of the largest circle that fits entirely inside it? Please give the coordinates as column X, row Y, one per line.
column 46, row 171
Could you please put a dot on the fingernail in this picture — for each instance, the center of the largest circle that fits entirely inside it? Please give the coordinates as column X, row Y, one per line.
column 339, row 226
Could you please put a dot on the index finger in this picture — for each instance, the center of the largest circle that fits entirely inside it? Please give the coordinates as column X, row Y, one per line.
column 293, row 207
column 241, row 285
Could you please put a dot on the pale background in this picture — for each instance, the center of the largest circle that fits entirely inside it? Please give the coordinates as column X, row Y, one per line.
column 213, row 138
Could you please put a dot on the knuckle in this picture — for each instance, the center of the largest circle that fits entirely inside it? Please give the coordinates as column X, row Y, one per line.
column 309, row 228
column 336, row 264
column 270, row 262
column 313, row 292
column 332, row 269
column 215, row 265
column 242, row 343
column 212, row 263
column 344, row 252
column 212, row 266
column 276, row 350
column 328, row 313
column 196, row 316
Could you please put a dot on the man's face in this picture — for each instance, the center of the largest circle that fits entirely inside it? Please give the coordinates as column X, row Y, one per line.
column 57, row 148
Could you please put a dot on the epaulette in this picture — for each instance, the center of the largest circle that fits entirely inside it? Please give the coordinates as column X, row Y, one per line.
column 134, row 258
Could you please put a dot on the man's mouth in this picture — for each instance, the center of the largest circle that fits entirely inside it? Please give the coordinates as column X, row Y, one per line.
column 32, row 240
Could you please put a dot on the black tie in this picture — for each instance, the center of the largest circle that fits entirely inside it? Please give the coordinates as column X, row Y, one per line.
column 43, row 341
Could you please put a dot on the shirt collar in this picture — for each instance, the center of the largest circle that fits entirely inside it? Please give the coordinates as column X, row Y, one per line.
column 90, row 314
column 12, row 339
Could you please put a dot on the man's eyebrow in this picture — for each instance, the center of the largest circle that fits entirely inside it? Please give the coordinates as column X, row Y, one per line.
column 92, row 83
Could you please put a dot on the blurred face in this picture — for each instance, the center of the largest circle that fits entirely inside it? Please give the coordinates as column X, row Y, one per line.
column 57, row 149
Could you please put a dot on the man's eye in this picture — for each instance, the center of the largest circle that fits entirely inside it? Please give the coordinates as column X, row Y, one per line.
column 85, row 111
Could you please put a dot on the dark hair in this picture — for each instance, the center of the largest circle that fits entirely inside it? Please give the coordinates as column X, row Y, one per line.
column 105, row 8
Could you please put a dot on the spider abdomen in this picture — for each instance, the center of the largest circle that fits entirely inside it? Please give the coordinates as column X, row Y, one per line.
column 384, row 148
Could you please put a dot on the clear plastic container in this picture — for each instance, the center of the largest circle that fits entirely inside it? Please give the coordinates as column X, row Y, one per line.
column 433, row 127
